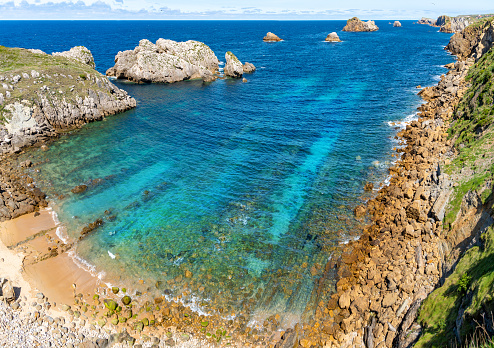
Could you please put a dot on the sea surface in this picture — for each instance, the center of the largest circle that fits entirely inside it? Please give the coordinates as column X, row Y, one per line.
column 234, row 194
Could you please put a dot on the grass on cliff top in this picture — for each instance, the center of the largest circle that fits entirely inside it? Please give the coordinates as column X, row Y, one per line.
column 473, row 134
column 472, row 279
column 54, row 73
column 13, row 60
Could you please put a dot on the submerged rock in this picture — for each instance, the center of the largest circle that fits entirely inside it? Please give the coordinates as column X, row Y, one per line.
column 166, row 61
column 332, row 37
column 271, row 37
column 80, row 53
column 355, row 24
column 233, row 66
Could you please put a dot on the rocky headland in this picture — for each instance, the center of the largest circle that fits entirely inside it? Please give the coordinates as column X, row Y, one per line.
column 332, row 37
column 166, row 61
column 356, row 25
column 452, row 25
column 271, row 37
column 42, row 96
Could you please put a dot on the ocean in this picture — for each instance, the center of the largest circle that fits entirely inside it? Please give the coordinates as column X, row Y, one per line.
column 233, row 196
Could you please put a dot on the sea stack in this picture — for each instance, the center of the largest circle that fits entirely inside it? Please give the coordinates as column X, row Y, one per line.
column 397, row 24
column 233, row 66
column 332, row 37
column 355, row 24
column 166, row 61
column 270, row 37
column 249, row 68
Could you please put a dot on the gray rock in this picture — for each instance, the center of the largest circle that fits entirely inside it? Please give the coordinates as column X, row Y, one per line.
column 166, row 61
column 79, row 53
column 8, row 291
column 233, row 66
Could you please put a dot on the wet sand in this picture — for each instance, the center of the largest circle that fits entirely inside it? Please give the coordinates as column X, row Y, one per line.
column 30, row 239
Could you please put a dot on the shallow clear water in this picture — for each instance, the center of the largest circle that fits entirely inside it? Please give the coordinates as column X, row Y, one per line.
column 238, row 192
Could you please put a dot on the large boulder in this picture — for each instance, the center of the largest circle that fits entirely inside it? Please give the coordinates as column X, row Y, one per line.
column 397, row 24
column 80, row 53
column 355, row 24
column 166, row 61
column 233, row 66
column 270, row 37
column 332, row 37
column 249, row 68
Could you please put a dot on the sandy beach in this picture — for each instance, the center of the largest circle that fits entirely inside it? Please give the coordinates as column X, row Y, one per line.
column 32, row 246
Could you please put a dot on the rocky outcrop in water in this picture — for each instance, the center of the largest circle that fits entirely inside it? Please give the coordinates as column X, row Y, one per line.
column 355, row 24
column 233, row 66
column 166, row 61
column 271, row 37
column 249, row 68
column 397, row 24
column 427, row 21
column 332, row 37
column 472, row 42
column 79, row 53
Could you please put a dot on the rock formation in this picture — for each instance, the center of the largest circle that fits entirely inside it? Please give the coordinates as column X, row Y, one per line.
column 448, row 24
column 249, row 68
column 332, row 37
column 45, row 97
column 427, row 21
column 270, row 37
column 80, row 53
column 166, row 61
column 355, row 24
column 397, row 24
column 233, row 66
column 472, row 42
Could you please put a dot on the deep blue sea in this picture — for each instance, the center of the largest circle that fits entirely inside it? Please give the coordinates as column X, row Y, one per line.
column 236, row 193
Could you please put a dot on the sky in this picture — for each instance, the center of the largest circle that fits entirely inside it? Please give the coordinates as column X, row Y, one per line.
column 228, row 9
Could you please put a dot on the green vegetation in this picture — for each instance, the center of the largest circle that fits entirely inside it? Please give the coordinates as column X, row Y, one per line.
column 473, row 136
column 58, row 78
column 474, row 275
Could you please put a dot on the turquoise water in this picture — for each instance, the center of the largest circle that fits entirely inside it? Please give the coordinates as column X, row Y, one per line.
column 237, row 192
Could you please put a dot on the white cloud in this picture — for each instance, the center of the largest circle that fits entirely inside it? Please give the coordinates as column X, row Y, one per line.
column 149, row 9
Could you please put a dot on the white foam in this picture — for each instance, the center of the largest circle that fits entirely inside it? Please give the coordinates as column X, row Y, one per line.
column 436, row 77
column 84, row 265
column 111, row 255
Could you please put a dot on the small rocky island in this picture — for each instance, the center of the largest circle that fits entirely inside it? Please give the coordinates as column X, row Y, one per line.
column 234, row 67
column 397, row 24
column 271, row 37
column 166, row 61
column 332, row 37
column 356, row 25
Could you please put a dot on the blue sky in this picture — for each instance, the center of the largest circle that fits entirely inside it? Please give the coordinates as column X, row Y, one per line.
column 224, row 9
